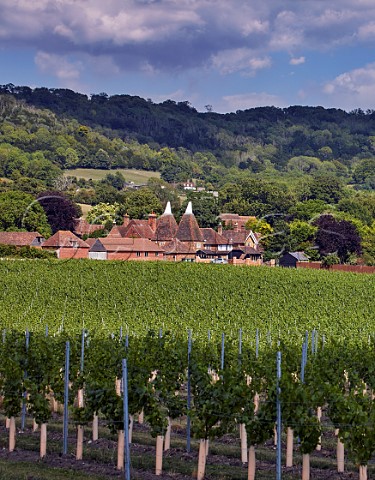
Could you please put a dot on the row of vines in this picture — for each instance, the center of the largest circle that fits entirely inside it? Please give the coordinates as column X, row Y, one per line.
column 217, row 384
column 103, row 296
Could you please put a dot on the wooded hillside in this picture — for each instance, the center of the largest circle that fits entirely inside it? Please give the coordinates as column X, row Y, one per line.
column 294, row 138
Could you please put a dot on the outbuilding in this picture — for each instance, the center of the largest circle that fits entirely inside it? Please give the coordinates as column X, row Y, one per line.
column 290, row 259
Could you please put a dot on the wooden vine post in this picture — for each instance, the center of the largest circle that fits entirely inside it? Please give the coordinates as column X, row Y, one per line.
column 201, row 459
column 12, row 434
column 43, row 440
column 340, row 453
column 95, row 428
column 306, row 466
column 319, row 417
column 167, row 440
column 131, row 424
column 120, row 433
column 243, row 437
column 289, row 447
column 363, row 472
column 141, row 417
column 251, row 464
column 120, row 449
column 80, row 428
column 159, row 455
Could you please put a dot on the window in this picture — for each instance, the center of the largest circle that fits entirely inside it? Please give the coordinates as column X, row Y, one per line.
column 138, row 254
column 156, row 254
column 146, row 254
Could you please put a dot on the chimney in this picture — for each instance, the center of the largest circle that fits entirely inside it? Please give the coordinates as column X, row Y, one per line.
column 126, row 220
column 220, row 229
column 236, row 227
column 152, row 221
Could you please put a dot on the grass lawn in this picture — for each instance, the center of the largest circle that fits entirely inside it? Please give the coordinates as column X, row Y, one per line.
column 136, row 176
column 85, row 209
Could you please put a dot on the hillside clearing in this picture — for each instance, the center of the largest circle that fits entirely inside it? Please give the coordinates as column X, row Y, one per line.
column 136, row 176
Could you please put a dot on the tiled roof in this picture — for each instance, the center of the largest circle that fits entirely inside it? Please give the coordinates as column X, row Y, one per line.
column 65, row 238
column 177, row 247
column 19, row 239
column 96, row 245
column 126, row 245
column 83, row 227
column 188, row 229
column 232, row 218
column 136, row 228
column 213, row 238
column 248, row 250
column 90, row 241
column 236, row 237
column 166, row 228
column 213, row 253
column 300, row 256
column 229, row 216
column 115, row 232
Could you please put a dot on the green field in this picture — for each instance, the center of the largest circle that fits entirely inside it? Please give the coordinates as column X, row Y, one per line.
column 221, row 298
column 136, row 176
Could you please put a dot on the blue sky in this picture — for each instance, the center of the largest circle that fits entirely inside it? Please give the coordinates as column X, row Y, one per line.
column 231, row 54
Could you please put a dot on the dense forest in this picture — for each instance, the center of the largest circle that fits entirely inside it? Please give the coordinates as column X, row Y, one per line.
column 285, row 166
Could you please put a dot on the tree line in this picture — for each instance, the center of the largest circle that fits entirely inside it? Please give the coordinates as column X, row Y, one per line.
column 297, row 138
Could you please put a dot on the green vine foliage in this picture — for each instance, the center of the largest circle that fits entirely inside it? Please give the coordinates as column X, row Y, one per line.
column 42, row 368
column 354, row 414
column 12, row 370
column 158, row 371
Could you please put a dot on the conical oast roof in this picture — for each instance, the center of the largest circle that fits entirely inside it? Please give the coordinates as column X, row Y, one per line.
column 188, row 229
column 166, row 226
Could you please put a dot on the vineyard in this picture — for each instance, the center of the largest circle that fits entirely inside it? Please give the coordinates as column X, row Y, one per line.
column 69, row 296
column 182, row 371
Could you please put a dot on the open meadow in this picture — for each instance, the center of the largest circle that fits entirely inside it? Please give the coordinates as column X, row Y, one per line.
column 131, row 175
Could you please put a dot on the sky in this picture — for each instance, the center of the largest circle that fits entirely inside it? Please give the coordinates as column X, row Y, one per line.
column 226, row 55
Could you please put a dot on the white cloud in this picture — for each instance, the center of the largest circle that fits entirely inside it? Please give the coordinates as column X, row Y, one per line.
column 251, row 100
column 367, row 31
column 353, row 89
column 331, row 17
column 297, row 61
column 174, row 35
column 58, row 66
column 136, row 23
column 239, row 60
column 249, row 26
